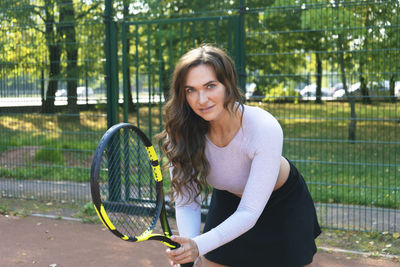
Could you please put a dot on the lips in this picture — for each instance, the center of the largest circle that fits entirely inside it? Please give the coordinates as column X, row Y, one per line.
column 207, row 109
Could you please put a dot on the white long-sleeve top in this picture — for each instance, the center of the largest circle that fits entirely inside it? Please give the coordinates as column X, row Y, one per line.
column 249, row 165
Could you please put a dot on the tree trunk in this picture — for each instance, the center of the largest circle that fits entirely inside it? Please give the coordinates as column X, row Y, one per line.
column 364, row 90
column 318, row 92
column 54, row 57
column 352, row 126
column 363, row 85
column 131, row 106
column 42, row 90
column 67, row 30
column 165, row 81
column 391, row 89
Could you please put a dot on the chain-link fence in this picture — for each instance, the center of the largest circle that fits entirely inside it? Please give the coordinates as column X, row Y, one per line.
column 328, row 70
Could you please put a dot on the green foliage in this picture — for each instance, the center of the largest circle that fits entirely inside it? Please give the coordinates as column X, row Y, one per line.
column 281, row 94
column 281, row 38
column 87, row 213
column 273, row 46
column 338, row 171
column 52, row 156
column 282, row 41
column 88, row 209
column 47, row 172
column 313, row 132
column 4, row 209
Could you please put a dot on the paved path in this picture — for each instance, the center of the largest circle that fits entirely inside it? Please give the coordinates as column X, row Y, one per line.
column 330, row 215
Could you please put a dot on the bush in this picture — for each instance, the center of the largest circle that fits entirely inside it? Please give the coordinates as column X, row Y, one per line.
column 51, row 156
column 281, row 94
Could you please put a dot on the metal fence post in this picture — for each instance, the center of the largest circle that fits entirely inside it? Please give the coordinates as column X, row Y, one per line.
column 111, row 67
column 125, row 55
column 241, row 49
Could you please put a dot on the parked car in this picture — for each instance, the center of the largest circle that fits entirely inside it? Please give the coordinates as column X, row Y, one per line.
column 80, row 91
column 250, row 88
column 309, row 92
column 341, row 92
column 336, row 87
column 374, row 89
column 61, row 93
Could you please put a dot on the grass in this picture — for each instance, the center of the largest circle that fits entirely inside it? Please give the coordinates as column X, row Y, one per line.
column 87, row 213
column 370, row 242
column 4, row 209
column 337, row 170
column 18, row 207
column 51, row 156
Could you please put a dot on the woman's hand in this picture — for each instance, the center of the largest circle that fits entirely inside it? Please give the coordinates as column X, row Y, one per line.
column 188, row 252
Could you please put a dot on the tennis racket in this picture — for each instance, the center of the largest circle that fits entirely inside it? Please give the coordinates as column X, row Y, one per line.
column 127, row 188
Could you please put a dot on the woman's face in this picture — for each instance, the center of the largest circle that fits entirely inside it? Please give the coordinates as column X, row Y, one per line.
column 204, row 93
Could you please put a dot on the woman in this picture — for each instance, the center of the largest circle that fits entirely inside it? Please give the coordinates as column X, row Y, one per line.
column 261, row 212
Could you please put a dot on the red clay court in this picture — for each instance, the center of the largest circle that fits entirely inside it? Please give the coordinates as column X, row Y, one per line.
column 35, row 241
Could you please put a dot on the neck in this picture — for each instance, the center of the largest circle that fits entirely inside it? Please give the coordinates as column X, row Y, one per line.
column 222, row 131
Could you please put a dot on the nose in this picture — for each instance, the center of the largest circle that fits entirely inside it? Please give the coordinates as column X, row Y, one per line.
column 203, row 98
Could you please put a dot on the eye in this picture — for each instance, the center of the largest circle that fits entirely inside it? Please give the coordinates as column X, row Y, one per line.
column 210, row 86
column 189, row 90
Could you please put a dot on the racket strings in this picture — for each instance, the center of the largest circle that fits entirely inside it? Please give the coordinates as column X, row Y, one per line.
column 127, row 184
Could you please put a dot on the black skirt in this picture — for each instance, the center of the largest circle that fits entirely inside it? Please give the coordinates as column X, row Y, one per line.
column 283, row 235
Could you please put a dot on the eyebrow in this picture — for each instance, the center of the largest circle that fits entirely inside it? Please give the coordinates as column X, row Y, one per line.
column 207, row 83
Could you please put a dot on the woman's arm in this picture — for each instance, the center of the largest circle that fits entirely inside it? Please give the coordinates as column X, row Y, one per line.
column 266, row 143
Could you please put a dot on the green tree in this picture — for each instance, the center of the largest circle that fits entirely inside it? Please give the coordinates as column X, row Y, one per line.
column 338, row 18
column 381, row 42
column 54, row 23
column 22, row 55
column 68, row 21
column 155, row 47
column 273, row 46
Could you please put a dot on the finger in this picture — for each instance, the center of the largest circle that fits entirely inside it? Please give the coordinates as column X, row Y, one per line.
column 178, row 257
column 182, row 257
column 170, row 256
column 188, row 256
column 176, row 252
column 184, row 260
column 188, row 251
column 181, row 240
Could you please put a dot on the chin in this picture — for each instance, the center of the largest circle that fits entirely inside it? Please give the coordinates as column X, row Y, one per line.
column 205, row 117
column 209, row 116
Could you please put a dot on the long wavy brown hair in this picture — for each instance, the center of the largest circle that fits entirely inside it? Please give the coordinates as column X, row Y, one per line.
column 183, row 139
